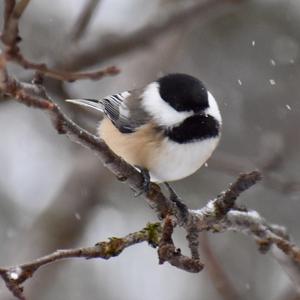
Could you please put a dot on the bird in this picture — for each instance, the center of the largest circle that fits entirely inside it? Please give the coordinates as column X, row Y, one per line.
column 167, row 129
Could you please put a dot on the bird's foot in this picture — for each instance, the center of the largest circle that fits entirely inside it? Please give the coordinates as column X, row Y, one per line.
column 146, row 181
column 182, row 208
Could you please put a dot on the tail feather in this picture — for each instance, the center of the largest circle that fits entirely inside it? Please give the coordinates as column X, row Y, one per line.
column 92, row 103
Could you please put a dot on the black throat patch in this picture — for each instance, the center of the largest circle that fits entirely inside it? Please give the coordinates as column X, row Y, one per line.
column 195, row 128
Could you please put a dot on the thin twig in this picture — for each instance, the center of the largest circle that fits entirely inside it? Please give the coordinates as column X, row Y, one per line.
column 218, row 208
column 168, row 252
column 232, row 165
column 14, row 276
column 3, row 73
column 84, row 19
column 226, row 200
column 112, row 45
column 20, row 8
column 9, row 6
column 13, row 12
column 19, row 59
column 10, row 38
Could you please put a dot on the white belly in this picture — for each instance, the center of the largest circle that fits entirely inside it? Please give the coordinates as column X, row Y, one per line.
column 174, row 161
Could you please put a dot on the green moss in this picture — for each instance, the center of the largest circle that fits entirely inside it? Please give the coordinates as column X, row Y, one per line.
column 112, row 248
column 153, row 231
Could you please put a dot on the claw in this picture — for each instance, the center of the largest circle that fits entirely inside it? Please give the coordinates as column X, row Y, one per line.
column 146, row 181
column 182, row 208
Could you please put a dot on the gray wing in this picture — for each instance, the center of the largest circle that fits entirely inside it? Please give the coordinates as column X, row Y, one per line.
column 125, row 110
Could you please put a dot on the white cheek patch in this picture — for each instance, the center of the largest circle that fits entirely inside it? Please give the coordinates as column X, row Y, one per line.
column 161, row 111
column 213, row 108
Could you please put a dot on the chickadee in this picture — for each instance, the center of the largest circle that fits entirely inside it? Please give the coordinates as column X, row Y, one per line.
column 170, row 127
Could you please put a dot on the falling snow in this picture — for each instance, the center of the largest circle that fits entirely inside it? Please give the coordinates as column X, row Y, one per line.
column 239, row 82
column 272, row 82
column 15, row 273
column 253, row 43
column 272, row 62
column 206, row 165
column 288, row 107
column 78, row 216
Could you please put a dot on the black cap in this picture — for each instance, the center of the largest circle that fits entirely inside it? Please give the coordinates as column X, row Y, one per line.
column 183, row 92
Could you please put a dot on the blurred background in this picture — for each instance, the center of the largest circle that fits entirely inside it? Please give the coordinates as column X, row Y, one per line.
column 56, row 194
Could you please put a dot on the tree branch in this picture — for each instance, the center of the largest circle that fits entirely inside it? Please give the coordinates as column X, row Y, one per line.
column 10, row 38
column 111, row 45
column 84, row 19
column 19, row 59
column 14, row 276
column 220, row 214
column 12, row 13
column 35, row 96
column 233, row 165
column 168, row 252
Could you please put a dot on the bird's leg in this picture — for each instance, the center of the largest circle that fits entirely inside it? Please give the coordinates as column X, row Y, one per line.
column 182, row 208
column 146, row 176
column 146, row 180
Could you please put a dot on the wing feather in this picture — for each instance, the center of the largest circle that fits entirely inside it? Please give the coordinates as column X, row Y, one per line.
column 125, row 110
